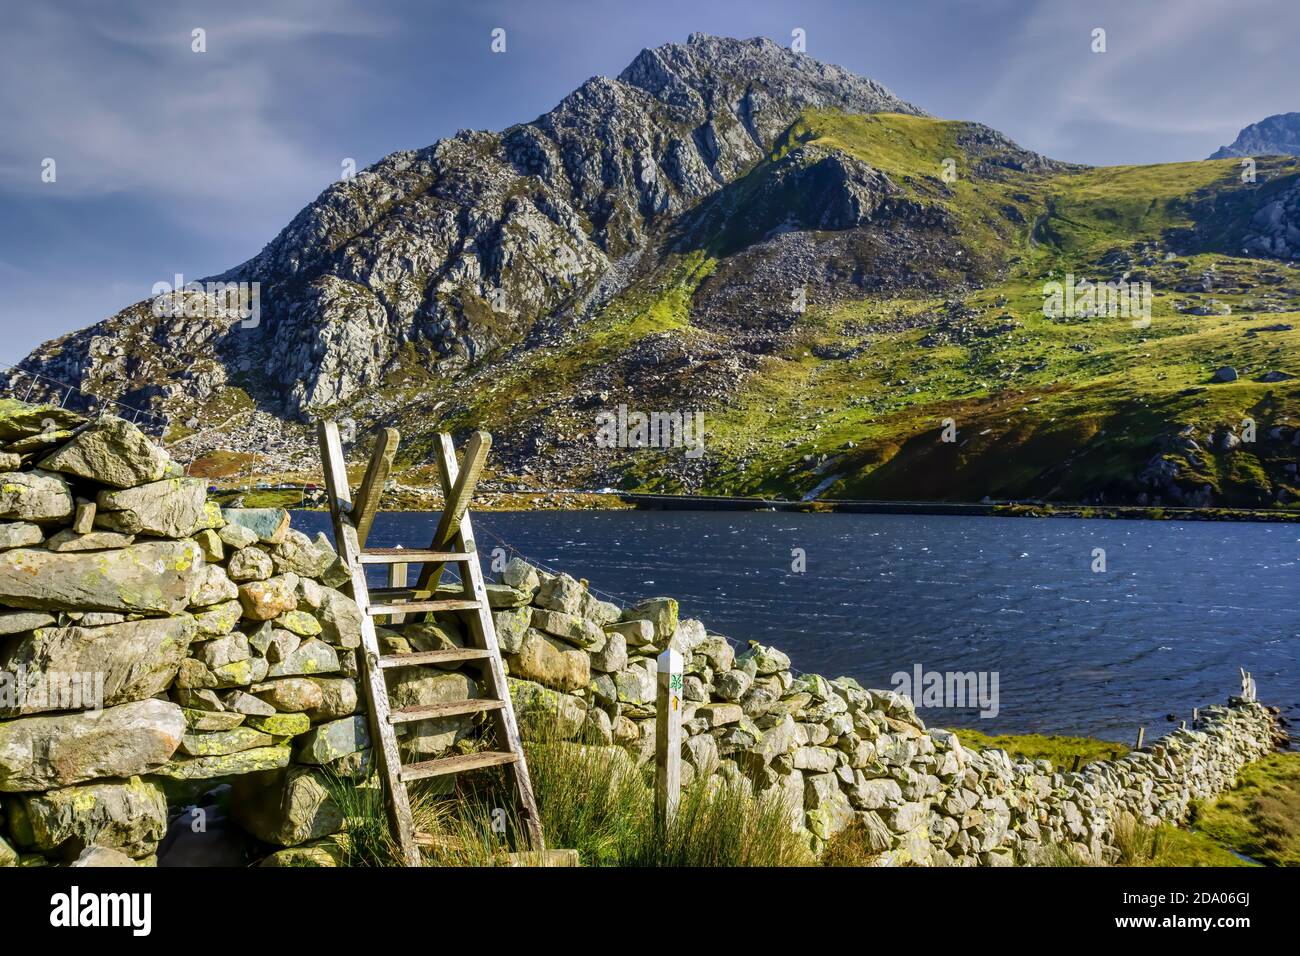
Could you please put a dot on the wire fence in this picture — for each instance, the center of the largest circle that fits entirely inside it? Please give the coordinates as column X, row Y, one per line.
column 26, row 386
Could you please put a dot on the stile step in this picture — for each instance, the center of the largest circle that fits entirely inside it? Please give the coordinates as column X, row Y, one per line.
column 414, row 607
column 405, row 715
column 444, row 656
column 413, row 556
column 457, row 764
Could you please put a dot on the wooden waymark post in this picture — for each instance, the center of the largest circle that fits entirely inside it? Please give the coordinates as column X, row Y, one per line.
column 668, row 736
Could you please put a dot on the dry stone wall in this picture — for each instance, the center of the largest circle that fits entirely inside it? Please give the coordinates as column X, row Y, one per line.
column 154, row 647
column 838, row 753
column 166, row 663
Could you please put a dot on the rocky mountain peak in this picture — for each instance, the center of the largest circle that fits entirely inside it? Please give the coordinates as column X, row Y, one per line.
column 447, row 253
column 1277, row 135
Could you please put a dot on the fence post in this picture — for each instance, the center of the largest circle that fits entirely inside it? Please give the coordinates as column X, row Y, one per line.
column 1142, row 735
column 668, row 736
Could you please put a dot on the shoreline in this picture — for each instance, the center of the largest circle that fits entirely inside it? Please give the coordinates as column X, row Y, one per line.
column 632, row 501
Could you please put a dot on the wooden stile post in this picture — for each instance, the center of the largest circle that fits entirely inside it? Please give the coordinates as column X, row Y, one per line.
column 1142, row 735
column 668, row 736
column 396, row 579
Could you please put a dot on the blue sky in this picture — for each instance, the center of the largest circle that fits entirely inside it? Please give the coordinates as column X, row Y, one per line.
column 173, row 161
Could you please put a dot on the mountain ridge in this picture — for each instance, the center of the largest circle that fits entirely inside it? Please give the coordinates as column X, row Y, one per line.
column 644, row 242
column 1276, row 135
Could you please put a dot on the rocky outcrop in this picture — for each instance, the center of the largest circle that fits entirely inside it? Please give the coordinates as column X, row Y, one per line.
column 450, row 252
column 1274, row 228
column 1277, row 135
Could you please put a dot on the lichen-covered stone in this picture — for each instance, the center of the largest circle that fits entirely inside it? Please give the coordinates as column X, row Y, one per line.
column 299, row 622
column 112, row 452
column 150, row 578
column 130, row 661
column 218, row 619
column 511, row 625
column 613, row 656
column 235, row 535
column 19, row 534
column 659, row 611
column 521, row 575
column 338, row 738
column 550, row 662
column 34, row 496
column 281, row 725
column 300, row 555
column 310, row 657
column 265, row 600
column 338, row 698
column 560, row 714
column 270, row 525
column 130, row 816
column 250, row 564
column 69, row 540
column 340, row 620
column 211, row 719
column 209, row 541
column 330, row 852
column 286, row 808
column 39, row 753
column 171, row 508
column 230, row 649
column 765, row 660
column 292, row 694
column 569, row 628
column 212, row 587
column 16, row 622
column 219, row 743
column 226, row 765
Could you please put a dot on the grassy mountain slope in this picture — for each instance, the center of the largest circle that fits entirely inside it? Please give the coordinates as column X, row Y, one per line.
column 849, row 397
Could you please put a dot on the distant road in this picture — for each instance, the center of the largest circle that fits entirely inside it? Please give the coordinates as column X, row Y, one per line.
column 1003, row 508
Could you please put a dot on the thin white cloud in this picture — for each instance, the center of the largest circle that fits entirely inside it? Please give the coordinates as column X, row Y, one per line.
column 126, row 106
column 1191, row 71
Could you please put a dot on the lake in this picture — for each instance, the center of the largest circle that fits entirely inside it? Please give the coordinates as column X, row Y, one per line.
column 1163, row 628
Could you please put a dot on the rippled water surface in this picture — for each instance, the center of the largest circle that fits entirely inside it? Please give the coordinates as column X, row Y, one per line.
column 1162, row 630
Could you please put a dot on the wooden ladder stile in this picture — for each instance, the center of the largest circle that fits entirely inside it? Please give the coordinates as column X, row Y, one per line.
column 453, row 544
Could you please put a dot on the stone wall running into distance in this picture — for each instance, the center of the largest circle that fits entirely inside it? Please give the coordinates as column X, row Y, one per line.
column 164, row 661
